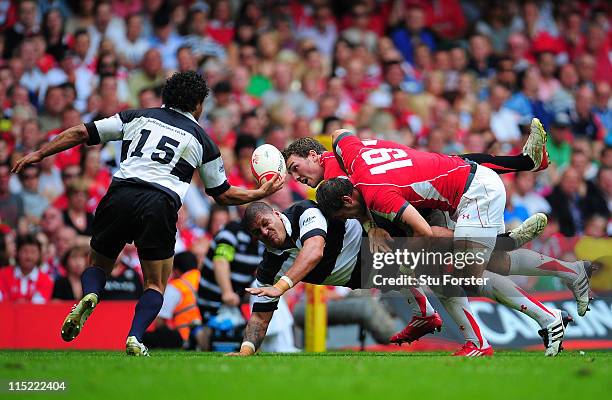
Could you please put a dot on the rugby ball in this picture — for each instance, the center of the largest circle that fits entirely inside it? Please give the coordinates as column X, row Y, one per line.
column 266, row 162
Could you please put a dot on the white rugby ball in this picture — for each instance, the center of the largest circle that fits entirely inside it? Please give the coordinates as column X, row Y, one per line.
column 266, row 162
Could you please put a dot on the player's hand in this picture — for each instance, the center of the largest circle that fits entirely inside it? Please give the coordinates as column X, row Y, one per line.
column 268, row 291
column 230, row 298
column 378, row 238
column 32, row 158
column 271, row 186
column 237, row 354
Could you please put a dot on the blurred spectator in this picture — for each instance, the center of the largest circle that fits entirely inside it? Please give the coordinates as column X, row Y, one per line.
column 195, row 29
column 584, row 121
column 323, row 31
column 53, row 29
column 412, row 31
column 526, row 102
column 568, row 202
column 25, row 282
column 76, row 215
column 504, row 121
column 33, row 202
column 603, row 108
column 105, row 25
column 283, row 94
column 558, row 146
column 50, row 179
column 27, row 24
column 51, row 222
column 11, row 205
column 548, row 83
column 54, row 104
column 495, row 25
column 133, row 48
column 63, row 239
column 526, row 196
column 69, row 287
column 562, row 99
column 515, row 213
column 219, row 217
column 149, row 75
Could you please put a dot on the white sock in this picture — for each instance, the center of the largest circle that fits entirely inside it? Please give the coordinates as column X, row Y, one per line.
column 416, row 298
column 504, row 291
column 460, row 310
column 530, row 263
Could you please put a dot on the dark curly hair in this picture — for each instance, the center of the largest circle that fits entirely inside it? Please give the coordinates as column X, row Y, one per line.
column 330, row 192
column 302, row 147
column 184, row 91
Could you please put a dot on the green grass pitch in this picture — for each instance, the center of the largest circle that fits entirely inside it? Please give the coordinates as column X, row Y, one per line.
column 181, row 375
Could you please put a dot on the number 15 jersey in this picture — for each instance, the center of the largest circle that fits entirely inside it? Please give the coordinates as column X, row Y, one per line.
column 162, row 147
column 390, row 176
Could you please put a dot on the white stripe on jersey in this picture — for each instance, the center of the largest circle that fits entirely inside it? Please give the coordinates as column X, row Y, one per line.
column 162, row 153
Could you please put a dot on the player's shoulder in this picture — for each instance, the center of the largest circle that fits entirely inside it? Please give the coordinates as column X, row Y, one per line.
column 171, row 117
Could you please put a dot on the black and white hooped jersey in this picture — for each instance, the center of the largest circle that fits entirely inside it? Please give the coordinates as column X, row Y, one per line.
column 302, row 221
column 244, row 257
column 162, row 147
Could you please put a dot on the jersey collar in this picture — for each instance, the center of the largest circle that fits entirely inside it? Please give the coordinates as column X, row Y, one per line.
column 187, row 114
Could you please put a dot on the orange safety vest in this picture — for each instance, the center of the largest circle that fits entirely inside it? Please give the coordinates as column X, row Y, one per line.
column 187, row 314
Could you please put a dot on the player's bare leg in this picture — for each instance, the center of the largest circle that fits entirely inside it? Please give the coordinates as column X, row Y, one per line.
column 156, row 274
column 93, row 281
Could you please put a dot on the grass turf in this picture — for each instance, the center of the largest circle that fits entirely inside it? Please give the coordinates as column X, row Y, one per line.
column 181, row 375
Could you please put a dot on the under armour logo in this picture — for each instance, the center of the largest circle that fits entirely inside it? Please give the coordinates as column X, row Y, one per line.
column 523, row 307
column 465, row 216
column 461, row 327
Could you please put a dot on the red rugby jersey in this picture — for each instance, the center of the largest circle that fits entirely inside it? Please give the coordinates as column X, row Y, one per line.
column 390, row 175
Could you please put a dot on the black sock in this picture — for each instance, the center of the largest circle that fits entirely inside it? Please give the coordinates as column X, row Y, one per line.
column 93, row 280
column 505, row 243
column 146, row 310
column 502, row 164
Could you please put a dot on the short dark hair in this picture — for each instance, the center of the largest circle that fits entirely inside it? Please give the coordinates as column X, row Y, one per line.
column 330, row 192
column 254, row 211
column 27, row 239
column 302, row 147
column 185, row 261
column 184, row 91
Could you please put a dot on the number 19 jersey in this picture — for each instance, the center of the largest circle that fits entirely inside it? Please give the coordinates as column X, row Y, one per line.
column 390, row 175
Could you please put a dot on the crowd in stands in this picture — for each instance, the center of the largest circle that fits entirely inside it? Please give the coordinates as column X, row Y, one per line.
column 448, row 76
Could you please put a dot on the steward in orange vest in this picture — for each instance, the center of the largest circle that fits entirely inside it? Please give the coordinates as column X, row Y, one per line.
column 179, row 312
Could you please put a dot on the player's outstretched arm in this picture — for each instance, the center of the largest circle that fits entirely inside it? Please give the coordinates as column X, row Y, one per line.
column 254, row 333
column 307, row 259
column 67, row 139
column 237, row 196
